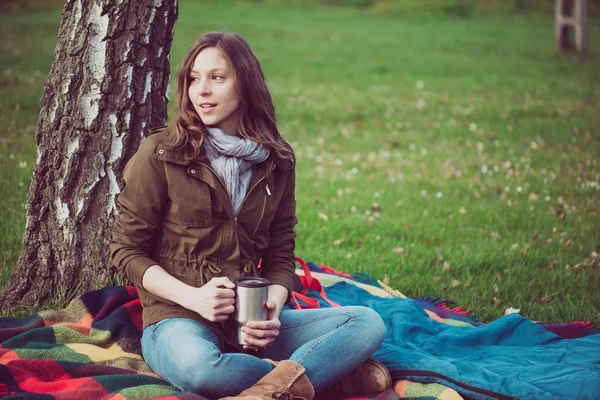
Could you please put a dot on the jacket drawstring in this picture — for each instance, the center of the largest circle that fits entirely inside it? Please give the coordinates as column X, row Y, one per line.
column 249, row 267
column 212, row 267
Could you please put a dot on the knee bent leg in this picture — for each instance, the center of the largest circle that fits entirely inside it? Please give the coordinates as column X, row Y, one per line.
column 199, row 376
column 192, row 369
column 372, row 324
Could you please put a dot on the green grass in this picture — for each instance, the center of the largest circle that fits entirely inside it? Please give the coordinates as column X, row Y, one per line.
column 478, row 142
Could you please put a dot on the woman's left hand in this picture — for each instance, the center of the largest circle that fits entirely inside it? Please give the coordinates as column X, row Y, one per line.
column 260, row 334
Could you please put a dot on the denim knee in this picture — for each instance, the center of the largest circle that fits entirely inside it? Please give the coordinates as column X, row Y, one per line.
column 189, row 361
column 197, row 371
column 373, row 324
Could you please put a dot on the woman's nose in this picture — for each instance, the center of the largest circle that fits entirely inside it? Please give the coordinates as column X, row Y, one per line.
column 204, row 89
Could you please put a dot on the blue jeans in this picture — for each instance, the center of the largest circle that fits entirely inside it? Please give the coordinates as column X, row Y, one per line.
column 328, row 342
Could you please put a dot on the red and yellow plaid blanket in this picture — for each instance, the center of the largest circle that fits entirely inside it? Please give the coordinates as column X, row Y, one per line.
column 91, row 350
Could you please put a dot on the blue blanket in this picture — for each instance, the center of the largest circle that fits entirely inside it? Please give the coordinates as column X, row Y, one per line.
column 511, row 357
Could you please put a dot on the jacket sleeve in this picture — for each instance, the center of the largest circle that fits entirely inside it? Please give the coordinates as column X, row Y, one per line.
column 279, row 261
column 140, row 206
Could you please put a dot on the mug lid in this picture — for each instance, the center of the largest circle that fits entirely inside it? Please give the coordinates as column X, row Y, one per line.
column 251, row 281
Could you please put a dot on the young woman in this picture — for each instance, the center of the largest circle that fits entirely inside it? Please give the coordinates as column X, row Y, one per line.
column 206, row 199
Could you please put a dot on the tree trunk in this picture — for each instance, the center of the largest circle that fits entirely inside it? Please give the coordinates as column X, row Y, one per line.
column 107, row 87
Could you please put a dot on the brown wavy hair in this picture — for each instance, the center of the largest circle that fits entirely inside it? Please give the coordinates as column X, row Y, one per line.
column 258, row 121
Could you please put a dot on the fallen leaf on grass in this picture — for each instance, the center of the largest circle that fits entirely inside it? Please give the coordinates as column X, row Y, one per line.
column 338, row 242
column 455, row 283
column 446, row 266
column 511, row 310
column 545, row 299
column 323, row 216
column 398, row 250
column 495, row 289
column 533, row 145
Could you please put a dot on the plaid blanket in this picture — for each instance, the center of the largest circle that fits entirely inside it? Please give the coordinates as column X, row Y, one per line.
column 91, row 350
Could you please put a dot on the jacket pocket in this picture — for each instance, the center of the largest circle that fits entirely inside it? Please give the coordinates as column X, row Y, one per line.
column 190, row 204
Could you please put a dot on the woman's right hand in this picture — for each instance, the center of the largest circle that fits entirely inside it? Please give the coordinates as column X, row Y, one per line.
column 214, row 301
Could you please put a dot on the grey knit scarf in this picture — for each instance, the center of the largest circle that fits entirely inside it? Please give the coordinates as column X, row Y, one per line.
column 232, row 159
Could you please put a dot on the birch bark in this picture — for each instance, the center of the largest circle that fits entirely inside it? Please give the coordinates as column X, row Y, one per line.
column 108, row 86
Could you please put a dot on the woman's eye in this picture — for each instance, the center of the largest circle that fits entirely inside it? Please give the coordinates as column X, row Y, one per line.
column 218, row 77
column 194, row 78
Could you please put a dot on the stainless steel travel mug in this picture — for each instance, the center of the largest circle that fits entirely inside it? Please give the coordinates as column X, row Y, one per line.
column 250, row 302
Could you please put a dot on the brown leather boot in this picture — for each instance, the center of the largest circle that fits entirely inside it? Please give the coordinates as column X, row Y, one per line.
column 369, row 378
column 285, row 382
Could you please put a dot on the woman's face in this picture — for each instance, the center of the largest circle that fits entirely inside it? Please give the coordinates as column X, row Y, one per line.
column 213, row 92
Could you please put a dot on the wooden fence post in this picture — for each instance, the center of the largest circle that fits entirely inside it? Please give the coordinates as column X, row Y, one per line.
column 571, row 15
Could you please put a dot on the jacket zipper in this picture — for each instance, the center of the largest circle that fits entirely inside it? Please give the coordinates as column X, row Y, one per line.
column 249, row 191
column 255, row 185
column 262, row 214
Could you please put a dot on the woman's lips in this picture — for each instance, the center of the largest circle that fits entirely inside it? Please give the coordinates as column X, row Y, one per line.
column 206, row 109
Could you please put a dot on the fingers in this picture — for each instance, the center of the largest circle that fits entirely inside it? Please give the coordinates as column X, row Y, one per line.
column 225, row 309
column 256, row 343
column 272, row 311
column 269, row 324
column 221, row 314
column 270, row 332
column 224, row 306
column 260, row 334
column 224, row 293
column 224, row 287
column 217, row 310
column 222, row 281
column 220, row 318
column 222, row 302
column 271, row 305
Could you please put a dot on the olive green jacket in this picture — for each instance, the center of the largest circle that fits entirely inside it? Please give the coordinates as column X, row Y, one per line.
column 178, row 214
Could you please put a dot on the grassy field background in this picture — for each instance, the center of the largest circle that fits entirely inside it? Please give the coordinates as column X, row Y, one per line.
column 449, row 151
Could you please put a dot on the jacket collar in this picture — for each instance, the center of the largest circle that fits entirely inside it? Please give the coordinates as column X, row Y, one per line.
column 178, row 156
